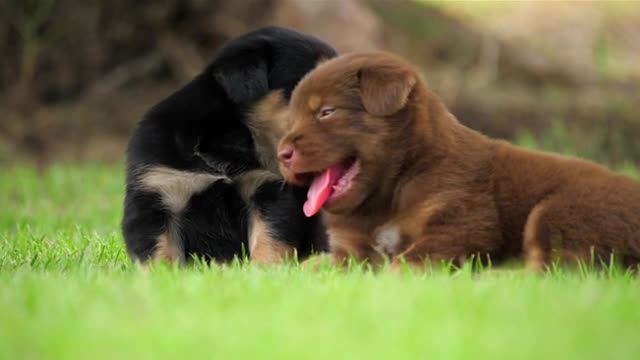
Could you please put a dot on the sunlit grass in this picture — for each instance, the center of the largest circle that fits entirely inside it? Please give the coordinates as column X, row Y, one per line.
column 68, row 290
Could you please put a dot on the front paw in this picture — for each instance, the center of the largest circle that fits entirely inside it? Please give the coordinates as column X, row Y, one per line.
column 401, row 265
column 323, row 261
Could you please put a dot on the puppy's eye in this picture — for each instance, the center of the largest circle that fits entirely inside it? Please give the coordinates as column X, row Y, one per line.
column 325, row 112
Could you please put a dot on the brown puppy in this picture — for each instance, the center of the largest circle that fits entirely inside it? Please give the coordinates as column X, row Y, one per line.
column 397, row 175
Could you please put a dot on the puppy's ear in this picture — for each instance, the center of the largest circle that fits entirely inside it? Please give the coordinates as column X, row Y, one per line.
column 385, row 89
column 244, row 80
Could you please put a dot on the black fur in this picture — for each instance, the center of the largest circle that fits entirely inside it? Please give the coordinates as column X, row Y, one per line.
column 202, row 128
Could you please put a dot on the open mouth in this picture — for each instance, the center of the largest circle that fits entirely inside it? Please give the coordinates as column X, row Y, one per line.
column 329, row 184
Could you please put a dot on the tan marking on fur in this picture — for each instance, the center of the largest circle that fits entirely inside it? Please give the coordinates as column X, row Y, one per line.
column 268, row 124
column 314, row 102
column 263, row 247
column 250, row 181
column 168, row 248
column 175, row 186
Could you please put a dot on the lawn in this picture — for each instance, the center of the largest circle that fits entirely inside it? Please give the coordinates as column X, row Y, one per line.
column 68, row 290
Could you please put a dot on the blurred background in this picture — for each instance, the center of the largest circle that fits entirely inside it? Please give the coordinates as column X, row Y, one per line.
column 75, row 76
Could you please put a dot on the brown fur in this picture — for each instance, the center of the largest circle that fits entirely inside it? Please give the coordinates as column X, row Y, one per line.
column 267, row 121
column 439, row 190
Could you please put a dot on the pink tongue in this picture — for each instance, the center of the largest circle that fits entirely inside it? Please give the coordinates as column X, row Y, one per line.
column 319, row 192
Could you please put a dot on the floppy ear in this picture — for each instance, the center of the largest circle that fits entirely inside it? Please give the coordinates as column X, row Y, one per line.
column 385, row 90
column 244, row 80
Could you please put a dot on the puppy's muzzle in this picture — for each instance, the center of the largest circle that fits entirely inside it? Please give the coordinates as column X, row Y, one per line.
column 285, row 156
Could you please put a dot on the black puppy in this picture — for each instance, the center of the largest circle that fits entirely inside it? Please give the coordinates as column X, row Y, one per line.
column 202, row 171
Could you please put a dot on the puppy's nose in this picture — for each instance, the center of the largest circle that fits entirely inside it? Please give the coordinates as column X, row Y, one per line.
column 285, row 155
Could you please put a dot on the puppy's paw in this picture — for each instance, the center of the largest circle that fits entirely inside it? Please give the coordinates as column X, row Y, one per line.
column 268, row 252
column 323, row 261
column 401, row 265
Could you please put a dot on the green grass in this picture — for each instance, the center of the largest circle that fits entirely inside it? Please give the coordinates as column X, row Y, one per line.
column 67, row 290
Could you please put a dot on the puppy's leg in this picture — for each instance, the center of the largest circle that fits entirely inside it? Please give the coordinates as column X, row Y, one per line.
column 568, row 229
column 264, row 247
column 349, row 244
column 213, row 226
column 277, row 225
column 537, row 240
column 581, row 225
column 340, row 258
column 437, row 248
column 318, row 261
column 456, row 232
column 147, row 229
column 156, row 199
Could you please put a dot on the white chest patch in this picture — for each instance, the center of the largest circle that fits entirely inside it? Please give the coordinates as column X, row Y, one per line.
column 387, row 239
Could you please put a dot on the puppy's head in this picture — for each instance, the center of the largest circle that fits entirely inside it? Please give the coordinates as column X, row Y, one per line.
column 270, row 58
column 347, row 120
column 258, row 71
